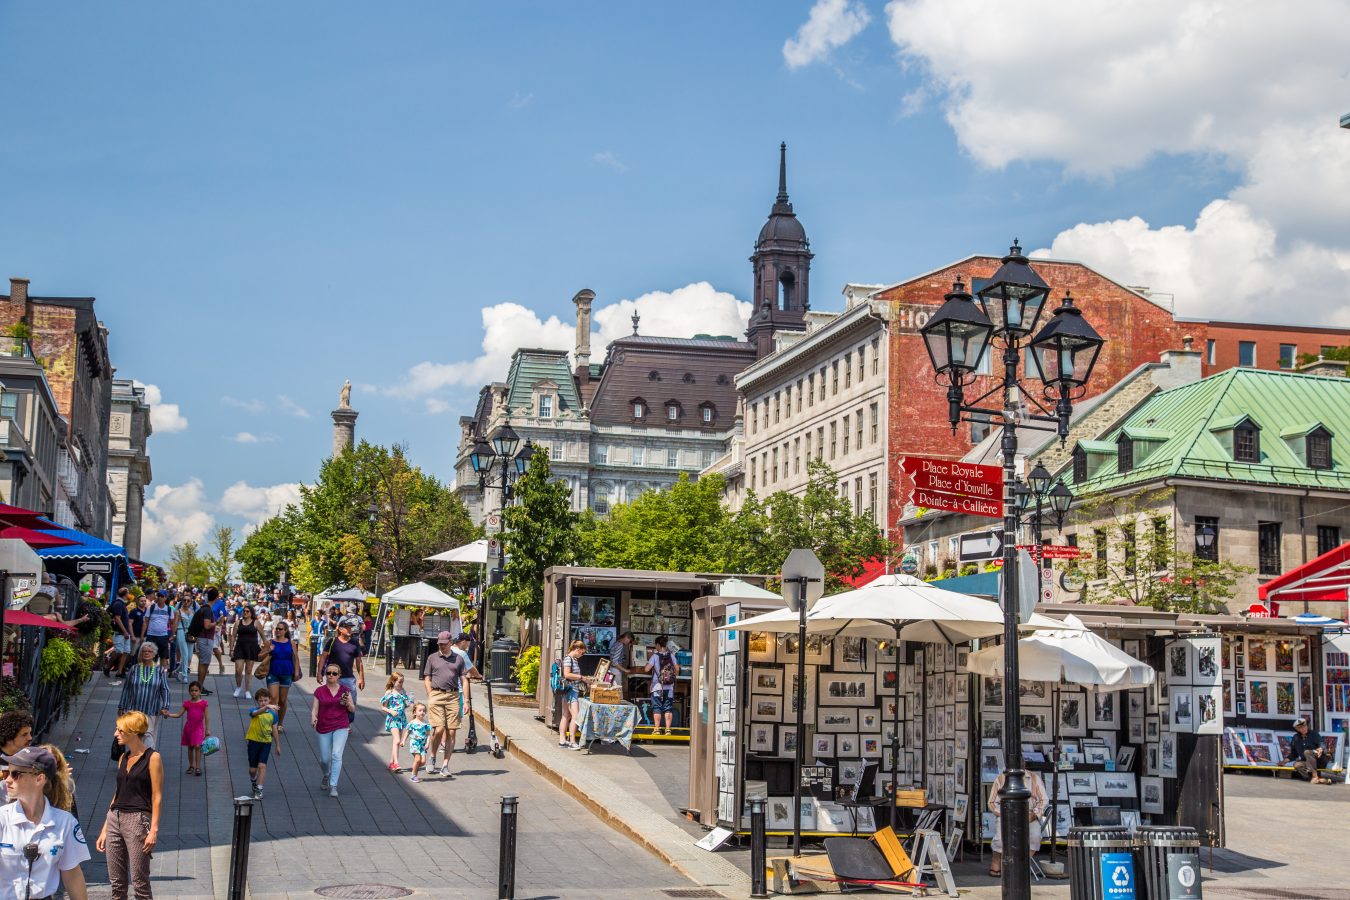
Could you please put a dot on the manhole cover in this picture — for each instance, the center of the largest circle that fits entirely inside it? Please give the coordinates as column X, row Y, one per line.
column 691, row 892
column 363, row 891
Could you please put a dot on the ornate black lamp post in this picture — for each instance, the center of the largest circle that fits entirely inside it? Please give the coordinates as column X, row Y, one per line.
column 483, row 458
column 1063, row 354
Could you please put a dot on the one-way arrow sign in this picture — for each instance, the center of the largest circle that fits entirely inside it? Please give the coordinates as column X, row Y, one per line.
column 981, row 546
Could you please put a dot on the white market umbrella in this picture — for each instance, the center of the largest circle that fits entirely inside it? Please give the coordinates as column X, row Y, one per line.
column 924, row 613
column 734, row 587
column 474, row 553
column 419, row 593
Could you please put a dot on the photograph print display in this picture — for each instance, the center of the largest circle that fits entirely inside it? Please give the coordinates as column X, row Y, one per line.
column 850, row 654
column 766, row 680
column 846, row 689
column 763, row 647
column 1035, row 725
column 1072, row 716
column 761, row 738
column 1151, row 794
column 1104, row 710
column 1115, row 784
column 991, row 733
column 1178, row 663
column 1182, row 710
column 992, row 692
column 1206, row 666
column 837, row 720
column 991, row 764
column 766, row 709
column 1208, row 711
column 1081, row 782
column 823, row 745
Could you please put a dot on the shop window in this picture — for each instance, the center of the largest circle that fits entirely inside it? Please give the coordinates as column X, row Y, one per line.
column 1205, row 547
column 1268, row 548
column 1318, row 449
column 1247, row 443
column 1328, row 538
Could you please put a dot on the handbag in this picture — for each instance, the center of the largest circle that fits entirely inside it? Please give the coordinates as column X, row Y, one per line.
column 117, row 750
column 262, row 668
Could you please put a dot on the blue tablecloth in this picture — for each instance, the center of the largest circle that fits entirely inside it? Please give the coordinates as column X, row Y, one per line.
column 608, row 722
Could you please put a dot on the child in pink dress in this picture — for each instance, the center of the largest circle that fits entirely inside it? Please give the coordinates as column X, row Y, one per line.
column 196, row 729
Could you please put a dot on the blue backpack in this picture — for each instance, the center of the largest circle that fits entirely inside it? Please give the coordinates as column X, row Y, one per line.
column 555, row 678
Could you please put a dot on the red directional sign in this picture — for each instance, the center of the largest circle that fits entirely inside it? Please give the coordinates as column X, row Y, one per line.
column 1052, row 551
column 954, row 486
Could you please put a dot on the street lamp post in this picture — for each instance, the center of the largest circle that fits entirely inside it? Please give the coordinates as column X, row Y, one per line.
column 1064, row 352
column 484, row 458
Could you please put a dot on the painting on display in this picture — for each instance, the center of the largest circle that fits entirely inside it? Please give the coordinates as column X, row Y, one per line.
column 837, row 720
column 1257, row 655
column 1151, row 795
column 763, row 647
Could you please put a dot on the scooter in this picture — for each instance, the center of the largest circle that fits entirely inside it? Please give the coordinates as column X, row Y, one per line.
column 470, row 742
column 498, row 751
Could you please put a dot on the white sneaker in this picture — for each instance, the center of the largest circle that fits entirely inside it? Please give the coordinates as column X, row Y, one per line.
column 235, row 692
column 333, row 792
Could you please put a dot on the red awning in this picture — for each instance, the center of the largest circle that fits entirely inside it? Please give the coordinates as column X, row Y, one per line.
column 35, row 539
column 872, row 570
column 25, row 518
column 24, row 617
column 1325, row 578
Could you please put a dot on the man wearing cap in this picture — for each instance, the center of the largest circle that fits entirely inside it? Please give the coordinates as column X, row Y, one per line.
column 441, row 675
column 1308, row 752
column 32, row 822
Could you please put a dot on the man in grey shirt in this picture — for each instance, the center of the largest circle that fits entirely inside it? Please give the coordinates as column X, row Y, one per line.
column 441, row 675
column 620, row 659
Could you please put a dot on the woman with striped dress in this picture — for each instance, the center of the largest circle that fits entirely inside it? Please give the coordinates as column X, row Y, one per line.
column 146, row 689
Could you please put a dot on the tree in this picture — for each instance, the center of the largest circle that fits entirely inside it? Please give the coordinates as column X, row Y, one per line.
column 220, row 560
column 187, row 565
column 272, row 547
column 679, row 529
column 539, row 532
column 1339, row 354
column 1136, row 558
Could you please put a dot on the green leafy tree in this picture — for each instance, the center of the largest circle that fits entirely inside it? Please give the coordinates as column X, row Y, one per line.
column 186, row 565
column 539, row 532
column 1339, row 354
column 1143, row 563
column 220, row 560
column 678, row 529
column 271, row 547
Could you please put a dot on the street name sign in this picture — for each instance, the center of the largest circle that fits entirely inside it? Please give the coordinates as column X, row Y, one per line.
column 1052, row 551
column 980, row 546
column 950, row 485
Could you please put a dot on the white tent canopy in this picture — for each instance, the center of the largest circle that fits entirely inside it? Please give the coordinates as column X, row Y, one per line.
column 340, row 594
column 1071, row 656
column 419, row 593
column 734, row 587
column 474, row 553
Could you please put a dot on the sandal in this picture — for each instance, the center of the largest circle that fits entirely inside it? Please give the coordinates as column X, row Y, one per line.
column 995, row 873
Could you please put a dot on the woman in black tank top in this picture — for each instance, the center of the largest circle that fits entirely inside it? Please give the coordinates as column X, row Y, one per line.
column 131, row 828
column 245, row 651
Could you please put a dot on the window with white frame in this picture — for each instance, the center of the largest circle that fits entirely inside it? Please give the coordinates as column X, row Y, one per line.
column 555, row 451
column 545, row 406
column 673, row 458
column 602, row 454
column 639, row 455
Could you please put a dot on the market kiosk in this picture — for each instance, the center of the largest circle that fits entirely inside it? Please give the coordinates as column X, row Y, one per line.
column 595, row 606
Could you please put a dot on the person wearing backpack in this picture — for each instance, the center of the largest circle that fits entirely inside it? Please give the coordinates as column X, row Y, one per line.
column 571, row 695
column 665, row 670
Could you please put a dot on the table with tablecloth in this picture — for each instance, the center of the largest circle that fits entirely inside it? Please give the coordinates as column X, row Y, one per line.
column 607, row 722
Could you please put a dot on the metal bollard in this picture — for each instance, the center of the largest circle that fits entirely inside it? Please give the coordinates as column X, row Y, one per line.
column 389, row 656
column 758, row 886
column 506, row 862
column 243, row 825
column 313, row 657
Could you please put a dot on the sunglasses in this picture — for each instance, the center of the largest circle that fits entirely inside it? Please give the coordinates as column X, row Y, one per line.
column 335, row 673
column 15, row 773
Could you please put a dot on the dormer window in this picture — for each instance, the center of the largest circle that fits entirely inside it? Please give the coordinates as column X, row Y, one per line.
column 639, row 409
column 1247, row 443
column 1080, row 465
column 672, row 411
column 545, row 406
column 1124, row 454
column 707, row 413
column 1319, row 449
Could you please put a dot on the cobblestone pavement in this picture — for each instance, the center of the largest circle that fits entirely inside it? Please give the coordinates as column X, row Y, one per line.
column 439, row 837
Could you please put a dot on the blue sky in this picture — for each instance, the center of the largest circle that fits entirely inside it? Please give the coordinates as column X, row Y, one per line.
column 269, row 198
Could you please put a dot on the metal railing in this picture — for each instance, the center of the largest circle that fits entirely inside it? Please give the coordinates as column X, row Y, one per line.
column 16, row 348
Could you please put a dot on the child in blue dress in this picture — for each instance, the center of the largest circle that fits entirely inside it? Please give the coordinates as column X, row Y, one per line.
column 395, row 704
column 419, row 730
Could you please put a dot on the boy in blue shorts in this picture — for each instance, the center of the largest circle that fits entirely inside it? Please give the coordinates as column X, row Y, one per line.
column 261, row 735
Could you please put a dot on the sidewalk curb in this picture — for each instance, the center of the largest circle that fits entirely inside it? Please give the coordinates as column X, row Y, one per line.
column 542, row 769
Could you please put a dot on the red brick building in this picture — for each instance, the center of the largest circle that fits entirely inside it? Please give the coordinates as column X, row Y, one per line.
column 1231, row 344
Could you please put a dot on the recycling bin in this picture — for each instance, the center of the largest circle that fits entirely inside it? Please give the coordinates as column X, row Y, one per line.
column 1169, row 862
column 1101, row 863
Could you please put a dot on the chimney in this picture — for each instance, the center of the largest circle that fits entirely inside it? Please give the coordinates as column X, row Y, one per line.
column 18, row 290
column 1183, row 366
column 583, row 300
column 1329, row 368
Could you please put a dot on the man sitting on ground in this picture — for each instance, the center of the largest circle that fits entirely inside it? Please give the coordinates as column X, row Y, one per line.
column 1308, row 752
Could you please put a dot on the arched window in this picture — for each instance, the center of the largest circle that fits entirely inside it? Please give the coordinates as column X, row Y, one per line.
column 786, row 284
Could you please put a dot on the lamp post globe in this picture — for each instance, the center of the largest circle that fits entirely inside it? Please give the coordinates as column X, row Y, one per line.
column 1065, row 351
column 481, row 457
column 1204, row 538
column 523, row 458
column 1061, row 498
column 505, row 440
column 957, row 335
column 1014, row 297
column 1039, row 479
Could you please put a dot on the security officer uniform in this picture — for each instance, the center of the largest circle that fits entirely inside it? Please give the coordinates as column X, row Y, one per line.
column 60, row 843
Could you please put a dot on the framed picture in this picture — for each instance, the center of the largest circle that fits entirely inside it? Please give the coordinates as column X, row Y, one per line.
column 1151, row 759
column 1258, row 657
column 846, row 689
column 1033, row 693
column 1035, row 726
column 869, row 721
column 822, row 745
column 1234, row 749
column 1167, row 755
column 1258, row 696
column 1178, row 658
column 1103, row 710
column 762, row 738
column 1096, row 754
column 960, row 806
column 832, row 817
column 778, row 814
column 1151, row 795
column 1081, row 782
column 962, row 654
column 1130, row 819
column 847, row 745
column 1134, row 647
column 787, row 740
column 1183, row 714
column 1135, row 732
column 884, row 652
column 837, row 720
column 1135, row 702
column 991, row 764
column 1286, row 697
column 763, row 647
column 817, row 651
column 1207, row 710
column 886, row 682
column 991, row 733
column 961, row 746
column 790, row 690
column 1125, row 758
column 869, row 746
column 1151, row 728
column 766, row 709
column 766, row 680
column 850, row 654
column 959, row 771
column 1105, row 737
column 1072, row 716
column 1305, row 692
column 1115, row 784
column 962, row 688
column 992, row 692
column 890, row 711
column 1206, row 666
column 1228, row 695
column 962, row 724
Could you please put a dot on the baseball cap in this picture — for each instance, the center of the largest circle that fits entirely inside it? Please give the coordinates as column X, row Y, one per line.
column 443, row 637
column 463, row 636
column 36, row 757
column 1300, row 721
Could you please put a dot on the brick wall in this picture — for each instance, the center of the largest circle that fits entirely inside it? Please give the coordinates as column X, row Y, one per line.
column 1136, row 331
column 1268, row 338
column 55, row 343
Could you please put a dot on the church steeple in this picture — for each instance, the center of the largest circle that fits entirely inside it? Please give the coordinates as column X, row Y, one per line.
column 782, row 267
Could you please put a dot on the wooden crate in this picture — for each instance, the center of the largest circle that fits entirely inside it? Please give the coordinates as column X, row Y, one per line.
column 606, row 694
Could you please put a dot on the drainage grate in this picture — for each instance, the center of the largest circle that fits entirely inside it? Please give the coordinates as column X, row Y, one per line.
column 1266, row 893
column 363, row 891
column 691, row 892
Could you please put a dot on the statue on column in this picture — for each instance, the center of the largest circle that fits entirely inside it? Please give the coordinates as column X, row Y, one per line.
column 346, row 401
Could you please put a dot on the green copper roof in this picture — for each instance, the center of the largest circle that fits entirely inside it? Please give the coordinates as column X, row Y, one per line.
column 1193, row 417
column 529, row 367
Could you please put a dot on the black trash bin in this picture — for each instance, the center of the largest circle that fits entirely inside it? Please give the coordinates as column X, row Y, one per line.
column 1101, row 863
column 1169, row 862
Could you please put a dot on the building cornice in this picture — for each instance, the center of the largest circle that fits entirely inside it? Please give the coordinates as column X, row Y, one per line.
column 860, row 318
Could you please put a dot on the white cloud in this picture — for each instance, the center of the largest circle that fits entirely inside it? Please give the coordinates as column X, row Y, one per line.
column 257, row 504
column 520, row 100
column 683, row 312
column 436, row 406
column 1100, row 87
column 831, row 24
column 606, row 158
column 248, row 437
column 164, row 417
column 288, row 405
column 174, row 514
column 250, row 405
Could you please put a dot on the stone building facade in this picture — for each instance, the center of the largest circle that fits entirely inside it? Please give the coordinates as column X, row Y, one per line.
column 129, row 470
column 72, row 347
column 31, row 429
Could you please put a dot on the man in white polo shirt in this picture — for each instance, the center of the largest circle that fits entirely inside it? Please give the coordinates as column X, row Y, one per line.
column 41, row 847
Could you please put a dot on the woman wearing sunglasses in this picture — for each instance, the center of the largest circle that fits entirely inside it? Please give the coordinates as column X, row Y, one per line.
column 32, row 820
column 332, row 704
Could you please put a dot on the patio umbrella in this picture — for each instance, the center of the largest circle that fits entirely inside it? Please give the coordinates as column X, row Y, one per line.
column 1072, row 654
column 24, row 617
column 25, row 518
column 35, row 539
column 735, row 587
column 474, row 553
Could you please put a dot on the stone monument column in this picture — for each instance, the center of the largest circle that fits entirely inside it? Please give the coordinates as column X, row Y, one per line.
column 344, row 422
